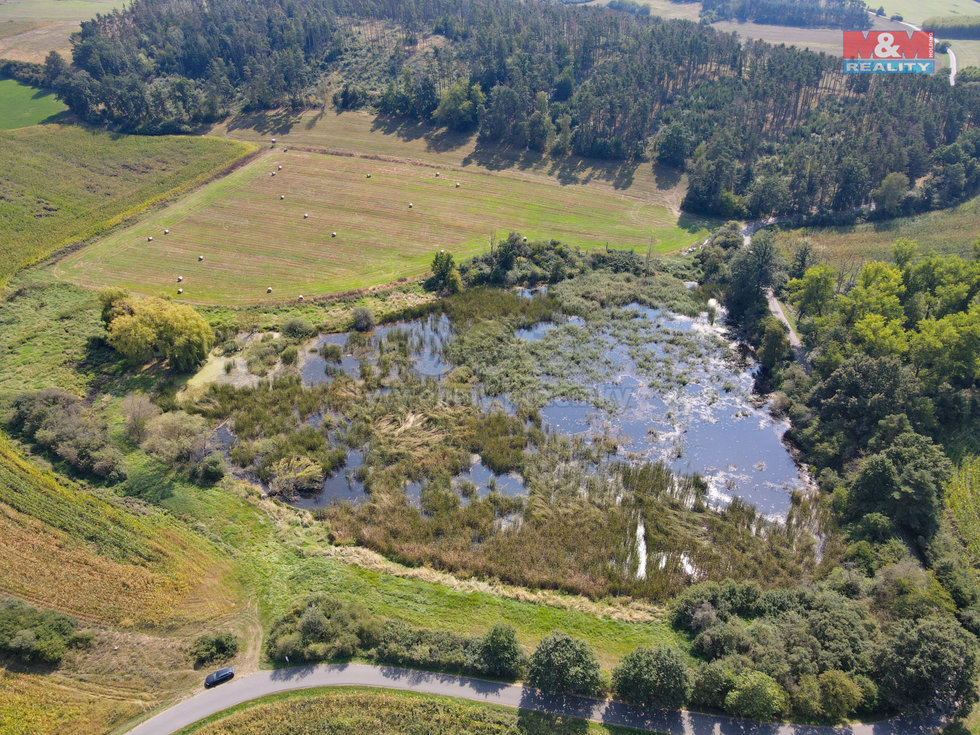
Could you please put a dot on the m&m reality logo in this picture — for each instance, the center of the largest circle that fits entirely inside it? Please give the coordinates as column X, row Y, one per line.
column 889, row 52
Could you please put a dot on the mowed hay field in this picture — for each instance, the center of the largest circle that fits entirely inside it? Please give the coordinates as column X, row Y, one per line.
column 946, row 231
column 22, row 106
column 251, row 239
column 65, row 183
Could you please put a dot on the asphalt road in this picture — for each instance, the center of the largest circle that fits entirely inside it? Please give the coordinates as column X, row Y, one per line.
column 670, row 722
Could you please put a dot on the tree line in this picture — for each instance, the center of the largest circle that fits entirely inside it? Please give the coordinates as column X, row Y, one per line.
column 763, row 129
column 845, row 14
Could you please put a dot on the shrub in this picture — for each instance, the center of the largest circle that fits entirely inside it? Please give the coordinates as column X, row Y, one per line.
column 564, row 665
column 67, row 426
column 297, row 328
column 215, row 647
column 500, row 653
column 176, row 438
column 713, row 681
column 653, row 677
column 323, row 628
column 362, row 319
column 36, row 636
column 138, row 411
column 756, row 696
column 209, row 470
column 331, row 353
column 289, row 355
column 840, row 695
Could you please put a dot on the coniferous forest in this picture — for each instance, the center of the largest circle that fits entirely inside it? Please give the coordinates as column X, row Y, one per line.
column 763, row 130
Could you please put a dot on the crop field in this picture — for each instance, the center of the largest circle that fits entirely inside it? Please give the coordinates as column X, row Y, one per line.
column 100, row 562
column 21, row 106
column 357, row 710
column 251, row 227
column 65, row 183
column 945, row 231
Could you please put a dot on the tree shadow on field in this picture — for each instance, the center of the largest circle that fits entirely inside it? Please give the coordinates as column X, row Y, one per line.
column 666, row 177
column 437, row 140
column 537, row 723
column 277, row 122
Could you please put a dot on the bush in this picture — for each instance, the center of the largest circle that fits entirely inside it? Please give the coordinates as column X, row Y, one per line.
column 840, row 695
column 756, row 696
column 289, row 355
column 713, row 681
column 176, row 438
column 564, row 665
column 297, row 328
column 323, row 628
column 215, row 647
column 362, row 319
column 655, row 678
column 209, row 470
column 138, row 410
column 37, row 636
column 500, row 653
column 67, row 426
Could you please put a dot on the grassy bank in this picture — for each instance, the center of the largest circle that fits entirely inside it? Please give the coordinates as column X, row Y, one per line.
column 385, row 712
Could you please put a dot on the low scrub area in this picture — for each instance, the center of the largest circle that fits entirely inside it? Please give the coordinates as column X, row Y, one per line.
column 324, row 628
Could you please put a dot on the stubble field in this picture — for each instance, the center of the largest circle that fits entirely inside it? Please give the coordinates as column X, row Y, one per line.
column 253, row 239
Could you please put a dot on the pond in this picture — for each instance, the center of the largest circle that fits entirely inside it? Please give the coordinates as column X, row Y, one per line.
column 664, row 387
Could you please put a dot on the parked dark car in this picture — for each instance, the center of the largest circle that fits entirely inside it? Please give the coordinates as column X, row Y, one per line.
column 219, row 677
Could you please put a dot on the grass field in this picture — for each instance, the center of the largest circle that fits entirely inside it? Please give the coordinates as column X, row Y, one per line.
column 385, row 712
column 65, row 183
column 945, row 231
column 251, row 239
column 29, row 29
column 21, row 106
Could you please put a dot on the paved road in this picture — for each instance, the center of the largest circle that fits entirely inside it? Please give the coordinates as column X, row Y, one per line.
column 949, row 51
column 509, row 695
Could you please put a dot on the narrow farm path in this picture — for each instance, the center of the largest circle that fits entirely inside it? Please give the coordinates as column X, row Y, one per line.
column 669, row 722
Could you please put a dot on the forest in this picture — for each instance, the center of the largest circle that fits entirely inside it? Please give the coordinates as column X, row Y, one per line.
column 763, row 130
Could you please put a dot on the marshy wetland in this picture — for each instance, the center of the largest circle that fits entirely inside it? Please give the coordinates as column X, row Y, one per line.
column 606, row 424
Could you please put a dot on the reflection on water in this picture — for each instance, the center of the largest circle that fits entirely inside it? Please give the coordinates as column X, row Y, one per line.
column 340, row 486
column 666, row 387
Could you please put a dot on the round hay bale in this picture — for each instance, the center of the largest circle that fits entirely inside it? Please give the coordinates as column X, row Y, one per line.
column 437, row 174
column 457, row 184
column 306, row 216
column 273, row 140
column 149, row 239
column 300, row 297
column 179, row 279
column 523, row 239
column 180, row 291
column 282, row 196
column 269, row 290
column 369, row 176
column 333, row 234
column 166, row 232
column 280, row 167
column 410, row 205
column 273, row 173
column 200, row 258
